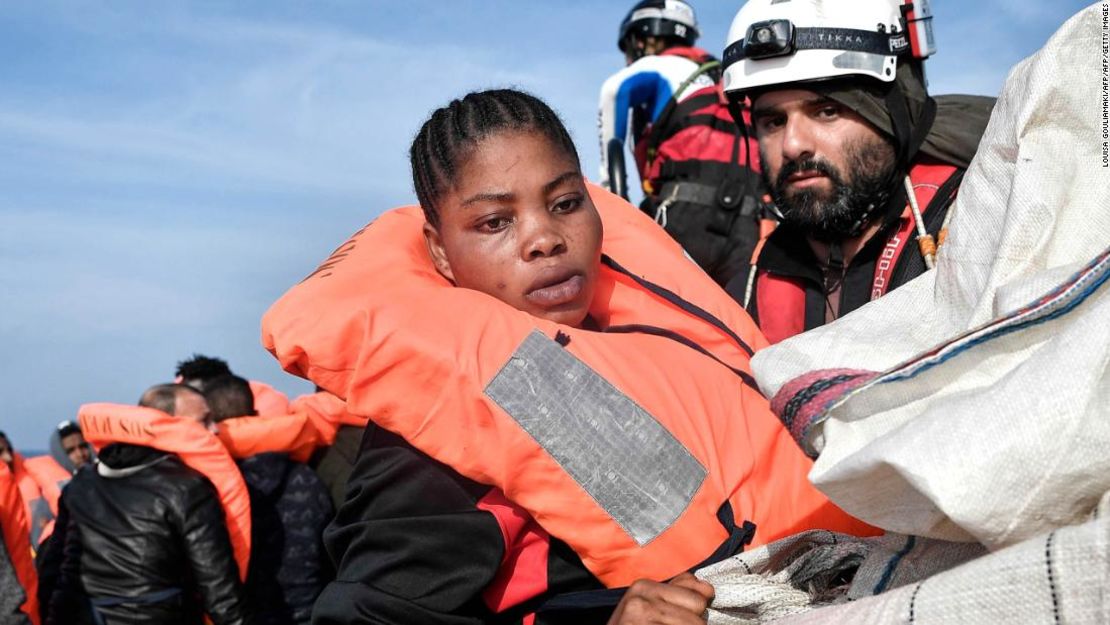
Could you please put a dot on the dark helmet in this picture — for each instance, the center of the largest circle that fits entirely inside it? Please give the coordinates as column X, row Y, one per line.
column 659, row 18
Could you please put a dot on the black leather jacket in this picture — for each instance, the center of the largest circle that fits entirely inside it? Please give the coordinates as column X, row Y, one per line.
column 130, row 540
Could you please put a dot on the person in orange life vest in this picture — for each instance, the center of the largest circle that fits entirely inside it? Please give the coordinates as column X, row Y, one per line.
column 698, row 170
column 290, row 507
column 18, row 579
column 199, row 369
column 7, row 455
column 845, row 127
column 143, row 536
column 37, row 504
column 69, row 453
column 507, row 214
column 42, row 478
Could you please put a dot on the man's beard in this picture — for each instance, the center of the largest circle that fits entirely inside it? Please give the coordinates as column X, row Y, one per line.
column 846, row 211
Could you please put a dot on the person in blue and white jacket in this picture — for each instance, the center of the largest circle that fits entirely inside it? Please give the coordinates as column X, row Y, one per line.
column 657, row 38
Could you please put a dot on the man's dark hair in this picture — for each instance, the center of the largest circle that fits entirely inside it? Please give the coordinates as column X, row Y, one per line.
column 201, row 369
column 229, row 396
column 164, row 397
column 68, row 428
column 454, row 130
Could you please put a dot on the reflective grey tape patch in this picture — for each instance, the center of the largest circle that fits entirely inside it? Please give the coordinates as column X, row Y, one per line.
column 636, row 470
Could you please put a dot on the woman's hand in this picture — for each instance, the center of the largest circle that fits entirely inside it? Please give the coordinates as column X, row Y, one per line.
column 681, row 601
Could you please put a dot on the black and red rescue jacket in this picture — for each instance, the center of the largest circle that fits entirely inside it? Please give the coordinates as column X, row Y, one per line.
column 696, row 143
column 788, row 296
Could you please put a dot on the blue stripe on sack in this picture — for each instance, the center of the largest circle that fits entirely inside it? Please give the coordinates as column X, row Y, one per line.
column 1054, row 305
column 888, row 572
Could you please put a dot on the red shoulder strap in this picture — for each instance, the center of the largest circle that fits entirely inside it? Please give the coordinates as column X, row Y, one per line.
column 927, row 177
column 695, row 54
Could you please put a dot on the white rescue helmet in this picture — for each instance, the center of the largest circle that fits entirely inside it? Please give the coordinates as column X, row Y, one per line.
column 659, row 18
column 775, row 42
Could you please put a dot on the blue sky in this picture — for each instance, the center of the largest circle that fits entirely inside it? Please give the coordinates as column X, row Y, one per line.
column 170, row 168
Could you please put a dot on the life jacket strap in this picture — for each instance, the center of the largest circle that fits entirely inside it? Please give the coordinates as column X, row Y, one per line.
column 738, row 538
column 677, row 301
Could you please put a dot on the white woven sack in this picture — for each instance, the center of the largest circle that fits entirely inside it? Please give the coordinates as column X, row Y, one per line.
column 1010, row 438
column 1058, row 577
column 816, row 568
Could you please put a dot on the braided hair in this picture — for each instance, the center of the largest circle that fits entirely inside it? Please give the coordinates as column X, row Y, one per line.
column 451, row 132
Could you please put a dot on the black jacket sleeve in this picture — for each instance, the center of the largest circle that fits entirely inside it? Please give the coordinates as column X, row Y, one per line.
column 48, row 559
column 208, row 550
column 408, row 543
column 63, row 599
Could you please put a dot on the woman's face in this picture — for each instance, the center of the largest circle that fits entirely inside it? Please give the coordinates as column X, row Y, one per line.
column 520, row 226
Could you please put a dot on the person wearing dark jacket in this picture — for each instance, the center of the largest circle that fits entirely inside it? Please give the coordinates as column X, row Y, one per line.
column 334, row 463
column 143, row 537
column 290, row 507
column 396, row 494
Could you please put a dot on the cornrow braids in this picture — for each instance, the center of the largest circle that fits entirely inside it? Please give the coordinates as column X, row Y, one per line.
column 452, row 132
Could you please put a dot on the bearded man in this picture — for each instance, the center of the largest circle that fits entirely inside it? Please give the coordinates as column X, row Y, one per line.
column 862, row 164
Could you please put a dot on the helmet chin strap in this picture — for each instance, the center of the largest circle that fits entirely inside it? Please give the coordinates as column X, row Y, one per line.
column 631, row 50
column 868, row 215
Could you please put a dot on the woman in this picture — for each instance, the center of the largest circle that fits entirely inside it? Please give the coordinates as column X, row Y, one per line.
column 422, row 535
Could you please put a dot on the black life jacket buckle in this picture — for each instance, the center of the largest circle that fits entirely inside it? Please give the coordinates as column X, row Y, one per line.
column 730, row 194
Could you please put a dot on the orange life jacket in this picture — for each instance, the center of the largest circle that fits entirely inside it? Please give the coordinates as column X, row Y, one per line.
column 312, row 423
column 781, row 300
column 293, row 434
column 645, row 446
column 50, row 476
column 268, row 400
column 46, row 480
column 17, row 537
column 39, row 512
column 325, row 408
column 104, row 424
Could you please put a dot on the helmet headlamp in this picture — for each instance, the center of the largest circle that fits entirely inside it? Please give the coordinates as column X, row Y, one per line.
column 769, row 39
